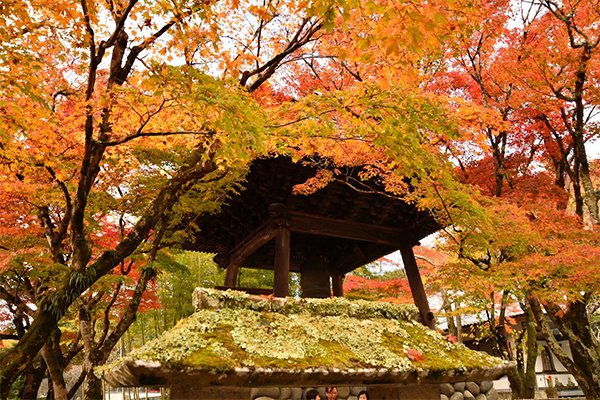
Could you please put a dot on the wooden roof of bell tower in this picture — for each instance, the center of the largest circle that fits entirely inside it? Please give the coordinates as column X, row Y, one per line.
column 267, row 226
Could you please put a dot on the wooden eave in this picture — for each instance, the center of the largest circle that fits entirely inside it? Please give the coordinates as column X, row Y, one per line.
column 347, row 227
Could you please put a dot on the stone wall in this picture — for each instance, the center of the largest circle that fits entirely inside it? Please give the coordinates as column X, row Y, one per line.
column 468, row 391
column 448, row 391
column 286, row 393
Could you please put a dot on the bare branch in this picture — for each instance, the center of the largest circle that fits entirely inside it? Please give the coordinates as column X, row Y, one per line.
column 207, row 133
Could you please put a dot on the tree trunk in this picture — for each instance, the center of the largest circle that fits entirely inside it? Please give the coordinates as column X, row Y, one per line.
column 15, row 361
column 93, row 386
column 34, row 374
column 56, row 372
column 523, row 379
column 575, row 325
column 529, row 377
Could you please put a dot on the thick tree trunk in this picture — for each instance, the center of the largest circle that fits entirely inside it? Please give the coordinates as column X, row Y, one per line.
column 16, row 360
column 34, row 374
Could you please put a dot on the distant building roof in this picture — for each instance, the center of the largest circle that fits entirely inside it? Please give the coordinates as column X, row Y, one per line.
column 235, row 339
column 472, row 319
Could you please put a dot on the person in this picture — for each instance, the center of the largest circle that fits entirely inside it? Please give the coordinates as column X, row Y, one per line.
column 313, row 394
column 331, row 393
column 363, row 395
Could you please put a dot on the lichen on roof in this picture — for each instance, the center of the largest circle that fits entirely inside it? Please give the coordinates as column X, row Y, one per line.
column 233, row 331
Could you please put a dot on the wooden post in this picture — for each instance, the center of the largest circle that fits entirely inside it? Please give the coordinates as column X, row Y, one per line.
column 416, row 286
column 231, row 275
column 280, row 217
column 338, row 285
column 282, row 263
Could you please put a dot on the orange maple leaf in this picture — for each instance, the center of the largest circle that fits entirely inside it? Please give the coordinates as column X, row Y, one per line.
column 415, row 355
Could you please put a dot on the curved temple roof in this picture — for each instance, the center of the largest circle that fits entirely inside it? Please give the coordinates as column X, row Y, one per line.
column 236, row 339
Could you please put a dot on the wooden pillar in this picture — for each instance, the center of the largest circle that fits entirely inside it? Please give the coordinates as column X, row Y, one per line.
column 282, row 263
column 231, row 275
column 338, row 285
column 416, row 286
column 280, row 217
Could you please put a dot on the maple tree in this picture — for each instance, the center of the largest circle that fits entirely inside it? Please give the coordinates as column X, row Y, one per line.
column 560, row 60
column 524, row 82
column 119, row 120
column 102, row 126
column 125, row 125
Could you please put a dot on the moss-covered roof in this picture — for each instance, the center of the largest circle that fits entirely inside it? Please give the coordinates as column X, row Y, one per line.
column 235, row 339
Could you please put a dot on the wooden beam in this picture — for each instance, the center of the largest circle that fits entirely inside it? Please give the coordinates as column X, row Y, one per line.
column 416, row 286
column 258, row 261
column 318, row 225
column 253, row 242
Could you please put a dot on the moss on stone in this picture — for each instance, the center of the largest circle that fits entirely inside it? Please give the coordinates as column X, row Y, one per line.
column 205, row 299
column 233, row 330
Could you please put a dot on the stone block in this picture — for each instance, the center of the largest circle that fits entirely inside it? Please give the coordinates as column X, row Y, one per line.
column 473, row 388
column 447, row 389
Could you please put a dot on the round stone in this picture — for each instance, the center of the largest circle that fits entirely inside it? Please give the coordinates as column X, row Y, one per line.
column 485, row 386
column 355, row 390
column 492, row 394
column 468, row 395
column 447, row 389
column 480, row 396
column 459, row 386
column 457, row 396
column 473, row 388
column 443, row 397
column 285, row 393
column 343, row 392
column 271, row 392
